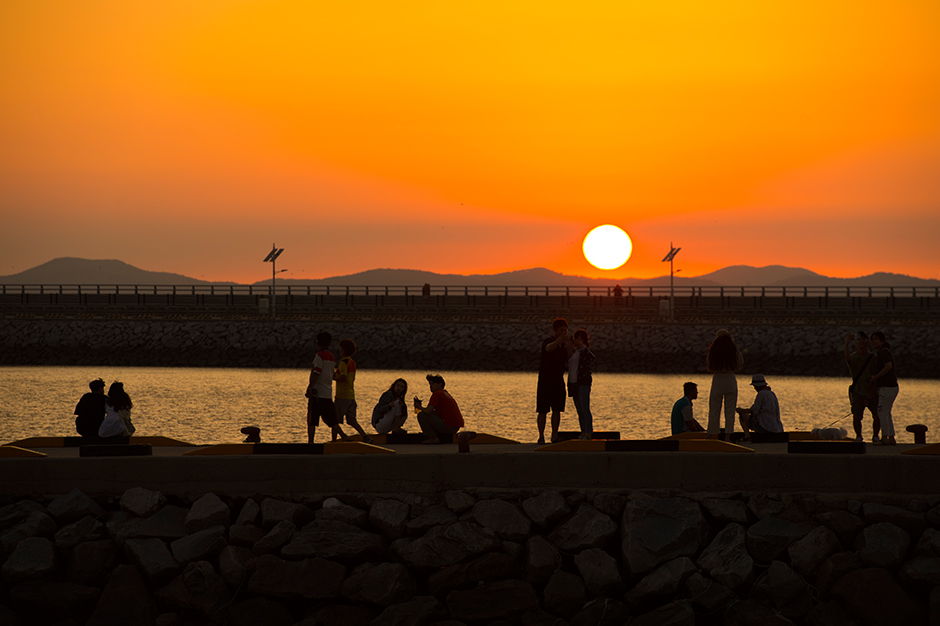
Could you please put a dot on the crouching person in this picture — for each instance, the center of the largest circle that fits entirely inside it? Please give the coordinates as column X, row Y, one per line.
column 442, row 415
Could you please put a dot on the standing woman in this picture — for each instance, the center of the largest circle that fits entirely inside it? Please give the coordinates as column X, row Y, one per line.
column 579, row 381
column 117, row 413
column 885, row 379
column 723, row 360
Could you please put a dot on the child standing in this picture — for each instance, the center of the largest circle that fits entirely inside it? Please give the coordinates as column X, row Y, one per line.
column 345, row 377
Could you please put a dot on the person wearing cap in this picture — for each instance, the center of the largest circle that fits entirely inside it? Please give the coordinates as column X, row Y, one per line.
column 723, row 360
column 442, row 415
column 682, row 420
column 89, row 412
column 862, row 394
column 765, row 412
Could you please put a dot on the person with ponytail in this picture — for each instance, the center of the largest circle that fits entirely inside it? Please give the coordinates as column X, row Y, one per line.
column 885, row 379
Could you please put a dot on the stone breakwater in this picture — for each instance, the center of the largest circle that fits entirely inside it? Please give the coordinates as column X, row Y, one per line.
column 792, row 349
column 471, row 557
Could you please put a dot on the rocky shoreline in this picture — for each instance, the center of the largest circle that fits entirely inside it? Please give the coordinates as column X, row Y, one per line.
column 774, row 349
column 471, row 557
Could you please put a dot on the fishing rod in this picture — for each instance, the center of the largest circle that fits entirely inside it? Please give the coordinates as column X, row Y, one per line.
column 840, row 419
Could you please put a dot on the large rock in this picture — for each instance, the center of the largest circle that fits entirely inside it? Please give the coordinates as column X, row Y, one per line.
column 587, row 528
column 142, row 502
column 335, row 540
column 49, row 602
column 153, row 558
column 599, row 570
column 882, row 545
column 247, row 535
column 610, row 504
column 91, row 562
column 35, row 524
column 541, row 560
column 446, row 545
column 271, row 543
column 85, row 529
column 929, row 543
column 913, row 523
column 274, row 511
column 168, row 523
column 727, row 560
column 432, row 516
column 762, row 506
column 828, row 614
column 808, row 553
column 834, row 568
column 259, row 612
column 233, row 565
column 124, row 600
column 874, row 597
column 921, row 572
column 459, row 501
column 660, row 585
column 389, row 517
column 32, row 559
column 310, row 578
column 503, row 518
column 844, row 524
column 197, row 590
column 334, row 510
column 73, row 506
column 678, row 613
column 725, row 511
column 379, row 583
column 656, row 530
column 250, row 513
column 564, row 594
column 707, row 595
column 785, row 590
column 13, row 514
column 121, row 526
column 499, row 600
column 751, row 612
column 199, row 546
column 546, row 509
column 206, row 512
column 602, row 612
column 339, row 614
column 419, row 611
column 771, row 536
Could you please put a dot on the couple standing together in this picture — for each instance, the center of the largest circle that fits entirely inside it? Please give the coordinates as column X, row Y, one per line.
column 565, row 353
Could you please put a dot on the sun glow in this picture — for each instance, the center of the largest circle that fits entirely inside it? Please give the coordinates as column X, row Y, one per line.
column 607, row 247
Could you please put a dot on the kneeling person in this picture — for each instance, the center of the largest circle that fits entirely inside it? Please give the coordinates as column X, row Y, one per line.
column 442, row 415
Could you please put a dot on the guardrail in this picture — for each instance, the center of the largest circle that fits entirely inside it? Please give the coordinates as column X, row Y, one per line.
column 263, row 291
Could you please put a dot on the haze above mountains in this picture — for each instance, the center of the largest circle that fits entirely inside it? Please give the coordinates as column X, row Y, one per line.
column 75, row 271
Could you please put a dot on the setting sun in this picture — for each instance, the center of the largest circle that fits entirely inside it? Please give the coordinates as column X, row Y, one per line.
column 607, row 247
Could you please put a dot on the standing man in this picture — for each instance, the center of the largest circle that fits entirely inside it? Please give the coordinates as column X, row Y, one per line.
column 320, row 390
column 89, row 412
column 551, row 393
column 862, row 394
column 442, row 415
column 682, row 420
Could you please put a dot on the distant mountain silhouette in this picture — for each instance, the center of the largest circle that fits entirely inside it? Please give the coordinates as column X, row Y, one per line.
column 75, row 271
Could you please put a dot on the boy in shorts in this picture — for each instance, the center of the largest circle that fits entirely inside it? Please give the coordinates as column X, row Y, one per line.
column 345, row 377
column 320, row 390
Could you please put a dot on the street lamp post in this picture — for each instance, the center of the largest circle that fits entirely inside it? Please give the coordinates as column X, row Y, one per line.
column 672, row 290
column 272, row 259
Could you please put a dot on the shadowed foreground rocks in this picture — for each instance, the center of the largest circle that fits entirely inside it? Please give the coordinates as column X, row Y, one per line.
column 471, row 557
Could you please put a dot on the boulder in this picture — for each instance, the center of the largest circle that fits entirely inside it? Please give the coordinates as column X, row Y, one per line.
column 85, row 529
column 32, row 559
column 762, row 506
column 153, row 558
column 335, row 540
column 602, row 612
column 768, row 538
column 339, row 614
column 727, row 560
column 678, row 613
column 546, row 509
column 73, row 506
column 921, row 572
column 419, row 611
column 274, row 511
column 587, row 528
column 36, row 524
column 751, row 612
column 610, row 504
column 503, row 518
column 929, row 543
column 656, row 530
column 446, row 545
column 233, row 565
column 13, row 514
column 91, row 562
column 808, row 553
column 599, row 570
column 882, row 545
column 199, row 546
column 874, row 597
column 142, row 502
column 124, row 600
column 335, row 510
column 250, row 513
column 432, row 516
column 260, row 611
column 247, row 535
column 912, row 522
column 785, row 590
column 459, row 501
column 660, row 585
column 313, row 579
column 845, row 525
column 378, row 583
column 707, row 595
column 49, row 602
column 121, row 526
column 197, row 590
column 277, row 537
column 389, row 517
column 206, row 512
column 541, row 560
column 834, row 568
column 499, row 600
column 828, row 614
column 168, row 523
column 725, row 511
column 564, row 594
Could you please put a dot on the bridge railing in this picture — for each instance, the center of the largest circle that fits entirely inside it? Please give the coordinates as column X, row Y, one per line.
column 474, row 290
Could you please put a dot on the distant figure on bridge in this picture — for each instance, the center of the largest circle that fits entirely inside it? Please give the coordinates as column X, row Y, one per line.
column 885, row 380
column 862, row 394
column 579, row 381
column 117, row 414
column 618, row 291
column 89, row 411
column 345, row 377
column 550, row 391
column 442, row 415
column 723, row 360
column 764, row 416
column 390, row 413
column 426, row 290
column 320, row 390
column 682, row 419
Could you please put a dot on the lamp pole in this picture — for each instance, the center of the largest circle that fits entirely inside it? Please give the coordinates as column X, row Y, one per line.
column 272, row 259
column 672, row 289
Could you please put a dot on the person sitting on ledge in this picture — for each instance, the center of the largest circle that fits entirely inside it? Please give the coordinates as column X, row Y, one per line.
column 764, row 415
column 442, row 415
column 682, row 420
column 89, row 412
column 117, row 419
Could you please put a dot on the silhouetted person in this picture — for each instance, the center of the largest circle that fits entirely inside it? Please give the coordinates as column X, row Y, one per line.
column 117, row 419
column 765, row 412
column 550, row 392
column 885, row 379
column 723, row 360
column 320, row 390
column 862, row 394
column 618, row 291
column 426, row 290
column 442, row 415
column 580, row 379
column 682, row 420
column 89, row 411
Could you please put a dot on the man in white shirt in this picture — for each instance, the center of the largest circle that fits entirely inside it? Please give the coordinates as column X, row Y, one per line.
column 765, row 412
column 320, row 390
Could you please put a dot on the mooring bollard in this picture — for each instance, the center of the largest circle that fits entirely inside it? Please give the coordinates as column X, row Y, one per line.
column 463, row 441
column 920, row 432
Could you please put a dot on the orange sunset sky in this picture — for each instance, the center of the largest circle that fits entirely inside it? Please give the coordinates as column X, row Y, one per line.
column 469, row 137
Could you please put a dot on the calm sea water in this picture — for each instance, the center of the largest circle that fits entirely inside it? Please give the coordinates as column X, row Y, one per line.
column 203, row 405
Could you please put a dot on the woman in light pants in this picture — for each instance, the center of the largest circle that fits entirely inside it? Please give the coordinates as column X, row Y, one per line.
column 723, row 360
column 886, row 380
